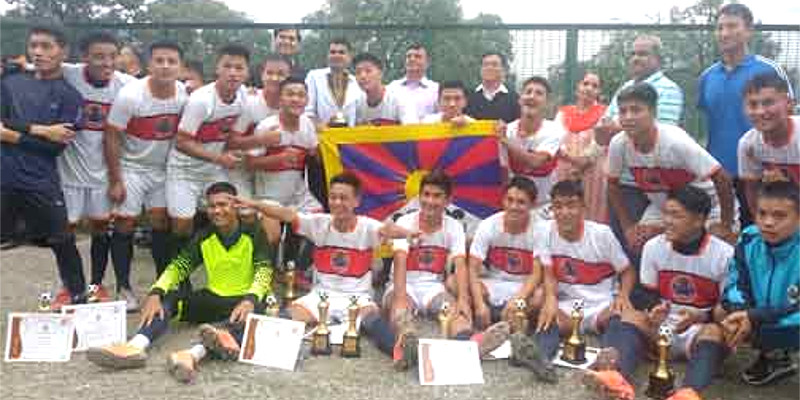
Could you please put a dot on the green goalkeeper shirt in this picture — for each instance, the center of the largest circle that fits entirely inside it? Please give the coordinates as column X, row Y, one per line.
column 236, row 265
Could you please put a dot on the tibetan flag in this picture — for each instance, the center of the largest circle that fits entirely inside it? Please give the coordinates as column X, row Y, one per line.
column 391, row 161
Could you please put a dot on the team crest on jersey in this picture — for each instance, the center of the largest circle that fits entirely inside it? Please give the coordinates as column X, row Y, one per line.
column 683, row 289
column 225, row 127
column 569, row 271
column 652, row 177
column 340, row 260
column 93, row 113
column 164, row 126
column 425, row 259
column 514, row 262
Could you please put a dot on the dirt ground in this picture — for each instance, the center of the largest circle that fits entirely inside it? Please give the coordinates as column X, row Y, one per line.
column 26, row 271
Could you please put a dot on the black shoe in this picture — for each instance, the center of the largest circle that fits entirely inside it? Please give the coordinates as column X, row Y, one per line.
column 525, row 353
column 769, row 367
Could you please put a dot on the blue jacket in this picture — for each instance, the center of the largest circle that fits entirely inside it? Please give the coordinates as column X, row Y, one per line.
column 765, row 280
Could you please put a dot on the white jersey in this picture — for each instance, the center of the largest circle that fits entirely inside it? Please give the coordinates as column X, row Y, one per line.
column 506, row 256
column 586, row 269
column 150, row 124
column 756, row 155
column 675, row 160
column 82, row 163
column 429, row 256
column 285, row 184
column 692, row 281
column 255, row 111
column 392, row 110
column 209, row 120
column 342, row 260
column 547, row 140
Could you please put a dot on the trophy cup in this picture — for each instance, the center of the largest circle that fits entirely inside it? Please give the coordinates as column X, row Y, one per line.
column 45, row 298
column 444, row 320
column 91, row 294
column 321, row 342
column 338, row 120
column 575, row 346
column 662, row 378
column 288, row 278
column 351, row 346
column 273, row 308
column 519, row 320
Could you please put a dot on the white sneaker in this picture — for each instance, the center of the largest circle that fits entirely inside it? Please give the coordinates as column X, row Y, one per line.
column 131, row 302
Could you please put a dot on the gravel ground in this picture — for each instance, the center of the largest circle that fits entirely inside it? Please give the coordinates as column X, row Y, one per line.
column 27, row 271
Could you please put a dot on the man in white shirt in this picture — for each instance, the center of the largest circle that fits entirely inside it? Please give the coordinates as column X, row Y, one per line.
column 333, row 92
column 422, row 91
column 380, row 106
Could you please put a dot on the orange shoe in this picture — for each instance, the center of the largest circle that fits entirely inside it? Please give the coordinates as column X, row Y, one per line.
column 182, row 365
column 97, row 294
column 685, row 394
column 63, row 298
column 117, row 356
column 219, row 342
column 610, row 383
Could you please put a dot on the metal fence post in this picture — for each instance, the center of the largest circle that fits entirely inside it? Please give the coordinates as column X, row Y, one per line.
column 570, row 66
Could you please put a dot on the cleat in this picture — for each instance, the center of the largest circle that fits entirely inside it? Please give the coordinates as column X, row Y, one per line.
column 493, row 337
column 525, row 353
column 182, row 366
column 219, row 342
column 117, row 356
column 611, row 384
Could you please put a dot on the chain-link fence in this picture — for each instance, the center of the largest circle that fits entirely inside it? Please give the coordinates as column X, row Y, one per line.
column 560, row 52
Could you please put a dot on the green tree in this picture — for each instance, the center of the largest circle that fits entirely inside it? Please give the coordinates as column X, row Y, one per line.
column 455, row 54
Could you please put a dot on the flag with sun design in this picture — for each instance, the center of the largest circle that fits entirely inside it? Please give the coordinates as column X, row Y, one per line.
column 391, row 161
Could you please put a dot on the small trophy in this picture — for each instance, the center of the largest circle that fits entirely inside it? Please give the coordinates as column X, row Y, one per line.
column 444, row 318
column 288, row 278
column 321, row 342
column 519, row 320
column 45, row 299
column 91, row 294
column 662, row 378
column 351, row 346
column 575, row 346
column 273, row 308
column 338, row 120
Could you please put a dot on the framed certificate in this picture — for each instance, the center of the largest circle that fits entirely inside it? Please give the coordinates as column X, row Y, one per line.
column 272, row 342
column 97, row 324
column 39, row 337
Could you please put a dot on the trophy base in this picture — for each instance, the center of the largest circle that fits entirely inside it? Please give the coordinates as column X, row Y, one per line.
column 574, row 354
column 660, row 388
column 351, row 348
column 321, row 345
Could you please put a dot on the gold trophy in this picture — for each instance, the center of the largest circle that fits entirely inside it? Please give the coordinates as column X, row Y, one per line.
column 91, row 294
column 444, row 318
column 662, row 378
column 45, row 299
column 321, row 342
column 519, row 319
column 351, row 346
column 273, row 308
column 288, row 278
column 575, row 346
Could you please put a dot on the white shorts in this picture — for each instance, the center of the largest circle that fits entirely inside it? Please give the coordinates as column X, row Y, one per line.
column 185, row 196
column 243, row 180
column 682, row 343
column 338, row 303
column 142, row 189
column 500, row 291
column 86, row 202
column 591, row 312
column 421, row 293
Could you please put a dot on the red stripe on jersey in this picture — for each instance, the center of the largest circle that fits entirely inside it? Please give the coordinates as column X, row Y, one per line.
column 274, row 150
column 342, row 261
column 427, row 259
column 574, row 271
column 217, row 130
column 661, row 179
column 93, row 115
column 688, row 289
column 154, row 127
column 791, row 171
column 510, row 260
column 519, row 167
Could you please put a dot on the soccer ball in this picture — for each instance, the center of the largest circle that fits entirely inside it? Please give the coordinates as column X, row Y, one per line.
column 578, row 304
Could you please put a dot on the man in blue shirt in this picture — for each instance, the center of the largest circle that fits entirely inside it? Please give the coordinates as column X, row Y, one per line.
column 38, row 113
column 721, row 89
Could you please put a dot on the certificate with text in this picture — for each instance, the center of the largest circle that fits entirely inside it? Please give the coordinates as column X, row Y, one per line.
column 98, row 324
column 35, row 337
column 272, row 342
